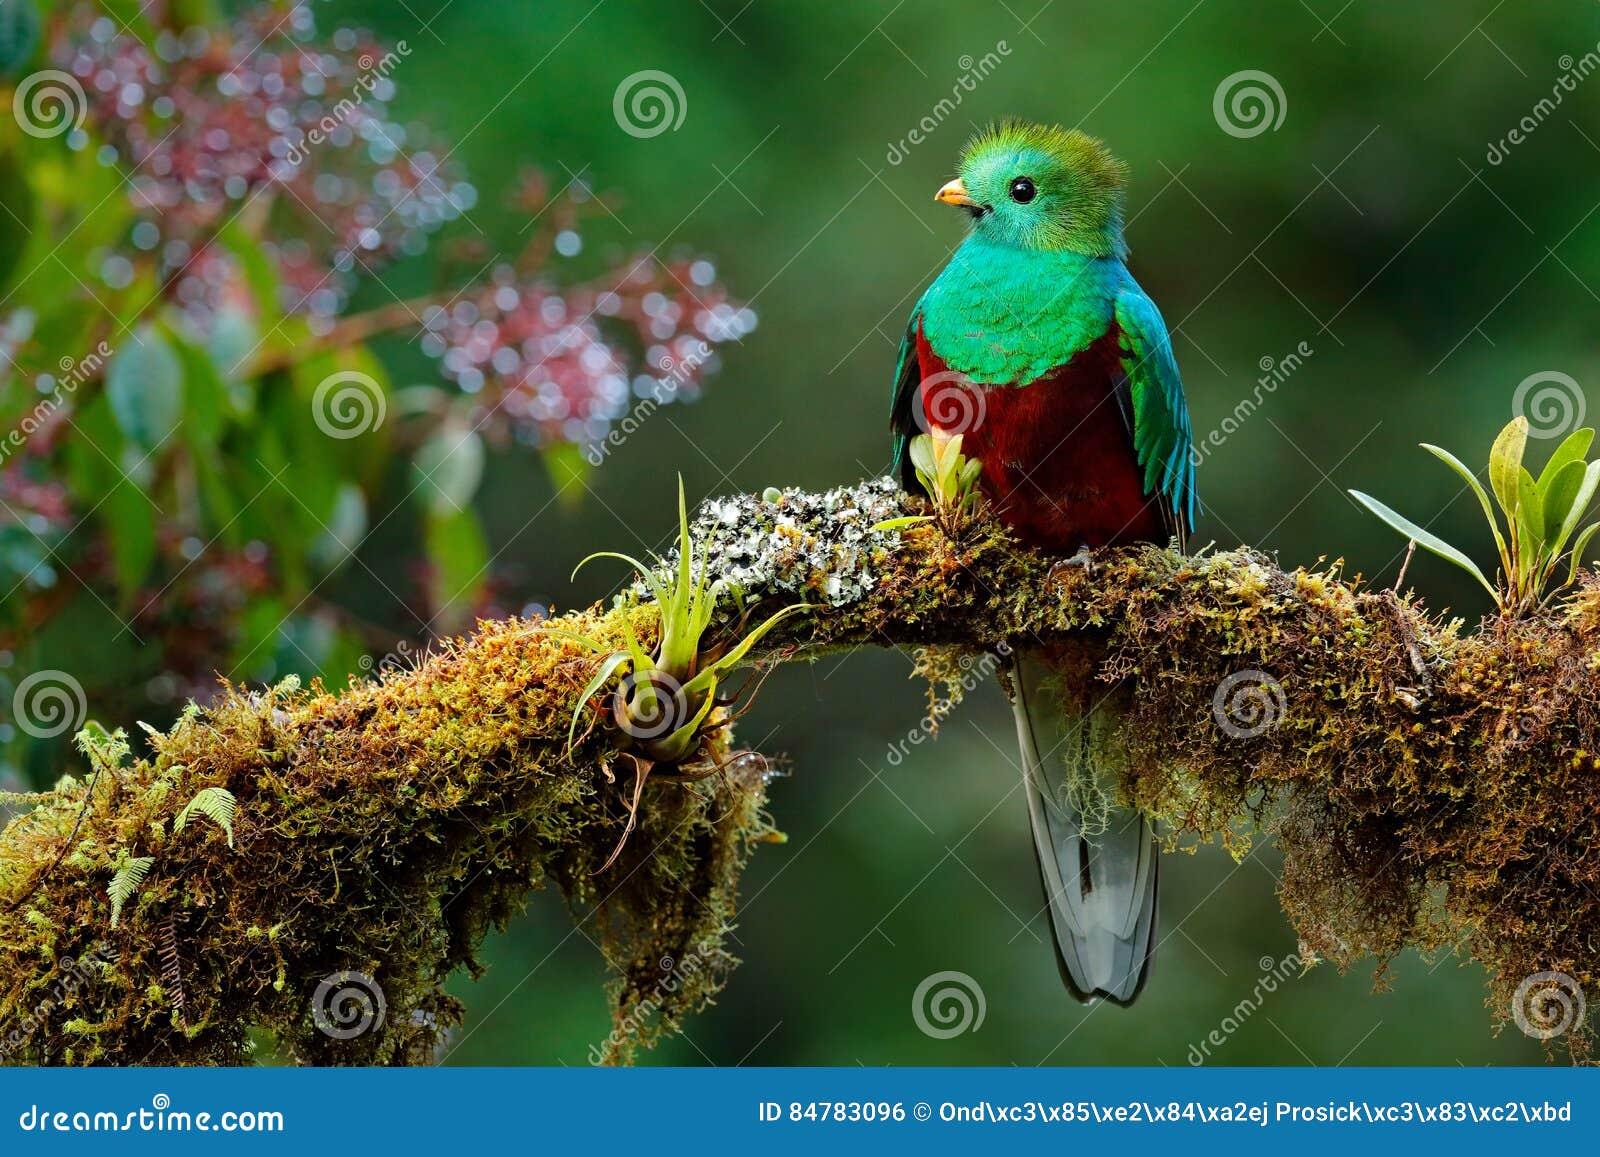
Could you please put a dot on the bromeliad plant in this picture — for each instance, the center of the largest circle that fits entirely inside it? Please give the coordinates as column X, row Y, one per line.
column 950, row 479
column 1540, row 514
column 668, row 708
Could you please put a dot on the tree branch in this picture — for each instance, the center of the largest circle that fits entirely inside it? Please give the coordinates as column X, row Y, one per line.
column 1428, row 787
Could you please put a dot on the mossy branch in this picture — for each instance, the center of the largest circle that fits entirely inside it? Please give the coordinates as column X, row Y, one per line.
column 1429, row 786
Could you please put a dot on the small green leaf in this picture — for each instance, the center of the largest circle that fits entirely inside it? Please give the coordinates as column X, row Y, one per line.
column 19, row 35
column 1577, row 551
column 1556, row 496
column 125, row 884
column 215, row 803
column 1578, row 505
column 144, row 384
column 608, row 667
column 1505, row 462
column 458, row 557
column 922, row 459
column 902, row 522
column 1530, row 517
column 1471, row 480
column 1423, row 538
column 569, row 472
column 1572, row 449
column 234, row 339
column 449, row 466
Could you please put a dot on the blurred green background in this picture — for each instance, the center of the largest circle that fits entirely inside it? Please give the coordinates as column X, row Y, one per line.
column 1369, row 225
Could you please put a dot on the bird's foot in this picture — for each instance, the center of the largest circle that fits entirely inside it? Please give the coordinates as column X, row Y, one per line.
column 1084, row 558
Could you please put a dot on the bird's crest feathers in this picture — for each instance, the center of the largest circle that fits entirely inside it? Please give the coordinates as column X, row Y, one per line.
column 1078, row 205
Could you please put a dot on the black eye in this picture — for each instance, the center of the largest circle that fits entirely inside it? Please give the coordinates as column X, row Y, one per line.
column 1022, row 190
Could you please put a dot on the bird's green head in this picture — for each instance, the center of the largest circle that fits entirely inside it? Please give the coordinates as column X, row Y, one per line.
column 1042, row 187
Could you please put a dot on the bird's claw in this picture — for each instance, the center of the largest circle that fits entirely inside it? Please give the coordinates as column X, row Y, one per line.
column 1084, row 558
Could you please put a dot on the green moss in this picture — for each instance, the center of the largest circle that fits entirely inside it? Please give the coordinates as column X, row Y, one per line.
column 1428, row 786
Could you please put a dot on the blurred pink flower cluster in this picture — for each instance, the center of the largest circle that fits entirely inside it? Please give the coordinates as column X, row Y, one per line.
column 223, row 125
column 550, row 362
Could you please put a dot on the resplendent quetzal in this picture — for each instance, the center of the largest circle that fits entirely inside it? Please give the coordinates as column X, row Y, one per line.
column 1038, row 347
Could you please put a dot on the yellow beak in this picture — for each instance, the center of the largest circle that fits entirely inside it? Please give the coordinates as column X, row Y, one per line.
column 954, row 193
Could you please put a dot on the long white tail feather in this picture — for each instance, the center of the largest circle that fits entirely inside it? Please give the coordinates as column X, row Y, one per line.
column 1099, row 862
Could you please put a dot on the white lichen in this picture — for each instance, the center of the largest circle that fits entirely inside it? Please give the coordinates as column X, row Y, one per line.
column 821, row 547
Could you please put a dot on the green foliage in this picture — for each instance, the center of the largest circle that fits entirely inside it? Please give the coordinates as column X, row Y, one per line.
column 949, row 476
column 1541, row 515
column 215, row 803
column 126, row 882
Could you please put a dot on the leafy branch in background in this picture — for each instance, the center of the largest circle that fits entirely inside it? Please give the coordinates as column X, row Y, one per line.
column 1541, row 515
column 196, row 430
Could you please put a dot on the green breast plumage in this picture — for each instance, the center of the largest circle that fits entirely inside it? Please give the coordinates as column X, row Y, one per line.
column 1003, row 315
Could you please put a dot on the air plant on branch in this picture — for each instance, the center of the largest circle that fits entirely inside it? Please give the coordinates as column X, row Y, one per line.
column 669, row 710
column 1540, row 515
column 951, row 480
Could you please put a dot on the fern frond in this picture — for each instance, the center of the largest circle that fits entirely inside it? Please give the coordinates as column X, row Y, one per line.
column 172, row 968
column 126, row 883
column 215, row 803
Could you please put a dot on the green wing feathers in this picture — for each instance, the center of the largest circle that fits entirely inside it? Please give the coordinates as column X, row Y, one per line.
column 902, row 412
column 1161, row 434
